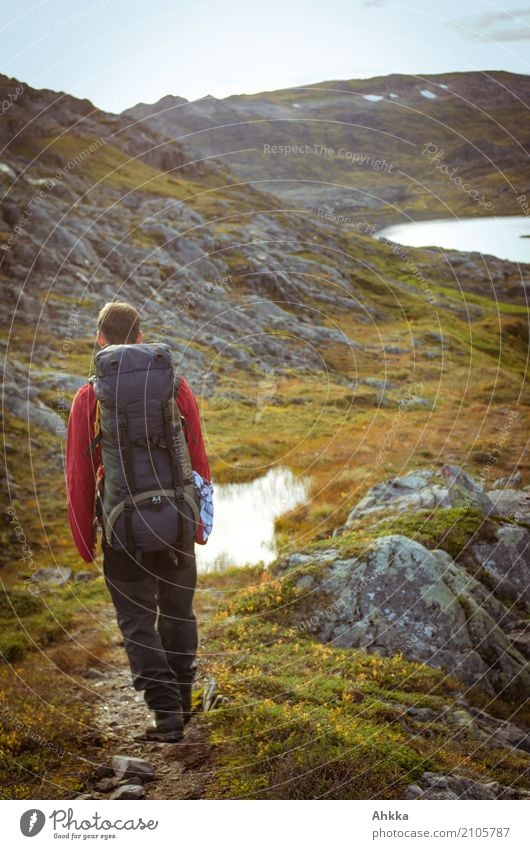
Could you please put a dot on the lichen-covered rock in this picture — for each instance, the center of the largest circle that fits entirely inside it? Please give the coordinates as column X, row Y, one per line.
column 401, row 597
column 414, row 491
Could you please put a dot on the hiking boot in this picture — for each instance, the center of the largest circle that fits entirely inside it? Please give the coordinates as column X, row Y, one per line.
column 168, row 727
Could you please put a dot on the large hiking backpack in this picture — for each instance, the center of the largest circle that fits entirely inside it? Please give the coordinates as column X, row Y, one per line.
column 150, row 502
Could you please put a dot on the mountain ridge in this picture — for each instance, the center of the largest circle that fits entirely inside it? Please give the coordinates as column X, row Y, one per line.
column 366, row 116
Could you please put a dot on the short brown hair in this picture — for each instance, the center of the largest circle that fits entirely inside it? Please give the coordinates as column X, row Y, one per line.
column 119, row 323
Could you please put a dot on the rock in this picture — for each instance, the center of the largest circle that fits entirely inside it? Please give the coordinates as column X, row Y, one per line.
column 129, row 791
column 395, row 349
column 54, row 575
column 521, row 641
column 511, row 503
column 85, row 576
column 378, row 384
column 460, row 718
column 507, row 735
column 463, row 490
column 93, row 673
column 414, row 491
column 507, row 561
column 297, row 559
column 128, row 767
column 498, row 732
column 106, row 785
column 103, row 771
column 401, row 597
column 433, row 785
column 510, row 482
column 422, row 714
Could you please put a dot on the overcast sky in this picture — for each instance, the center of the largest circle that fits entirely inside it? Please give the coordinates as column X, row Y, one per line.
column 120, row 52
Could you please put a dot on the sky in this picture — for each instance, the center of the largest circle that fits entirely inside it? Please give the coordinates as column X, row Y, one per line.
column 117, row 53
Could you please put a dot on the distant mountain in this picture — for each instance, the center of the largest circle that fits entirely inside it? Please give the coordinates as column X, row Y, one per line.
column 96, row 206
column 376, row 145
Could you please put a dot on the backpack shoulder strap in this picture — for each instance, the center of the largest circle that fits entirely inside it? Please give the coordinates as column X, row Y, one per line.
column 96, row 440
column 183, row 419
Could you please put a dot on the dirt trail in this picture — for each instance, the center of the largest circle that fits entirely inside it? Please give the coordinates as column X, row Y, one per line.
column 120, row 713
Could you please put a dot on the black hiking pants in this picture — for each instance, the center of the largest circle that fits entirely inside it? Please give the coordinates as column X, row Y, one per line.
column 154, row 609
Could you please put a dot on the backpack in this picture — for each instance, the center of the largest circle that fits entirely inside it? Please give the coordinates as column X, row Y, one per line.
column 150, row 502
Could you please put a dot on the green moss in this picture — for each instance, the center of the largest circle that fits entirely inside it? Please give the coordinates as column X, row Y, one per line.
column 452, row 529
column 306, row 720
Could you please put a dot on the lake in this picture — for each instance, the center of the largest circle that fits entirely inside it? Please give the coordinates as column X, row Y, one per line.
column 501, row 237
column 244, row 514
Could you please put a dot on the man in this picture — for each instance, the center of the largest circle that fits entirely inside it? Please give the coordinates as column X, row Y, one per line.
column 152, row 594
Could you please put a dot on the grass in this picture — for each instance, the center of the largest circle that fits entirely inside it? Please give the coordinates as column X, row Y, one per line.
column 46, row 733
column 46, row 738
column 344, row 736
column 29, row 622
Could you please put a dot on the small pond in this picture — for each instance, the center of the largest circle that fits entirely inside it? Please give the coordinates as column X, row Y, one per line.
column 244, row 514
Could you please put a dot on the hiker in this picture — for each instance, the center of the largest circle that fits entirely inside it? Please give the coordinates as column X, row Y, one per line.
column 152, row 504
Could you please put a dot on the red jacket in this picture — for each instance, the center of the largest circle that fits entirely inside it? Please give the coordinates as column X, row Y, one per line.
column 84, row 471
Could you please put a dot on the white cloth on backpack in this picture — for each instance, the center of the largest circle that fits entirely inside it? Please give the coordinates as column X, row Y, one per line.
column 205, row 489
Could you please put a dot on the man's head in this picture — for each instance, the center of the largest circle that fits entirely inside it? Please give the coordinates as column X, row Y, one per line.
column 118, row 324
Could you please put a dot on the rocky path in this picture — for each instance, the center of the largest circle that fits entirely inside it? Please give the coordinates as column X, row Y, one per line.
column 180, row 769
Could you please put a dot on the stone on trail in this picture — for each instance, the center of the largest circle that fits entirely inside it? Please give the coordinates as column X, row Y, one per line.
column 129, row 791
column 132, row 768
column 106, row 784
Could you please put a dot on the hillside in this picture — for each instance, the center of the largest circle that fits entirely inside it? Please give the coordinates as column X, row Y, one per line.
column 367, row 147
column 384, row 361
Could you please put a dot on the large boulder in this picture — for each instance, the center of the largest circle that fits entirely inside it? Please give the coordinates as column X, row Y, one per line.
column 401, row 597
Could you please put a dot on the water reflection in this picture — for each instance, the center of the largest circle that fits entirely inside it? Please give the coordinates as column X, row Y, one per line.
column 243, row 529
